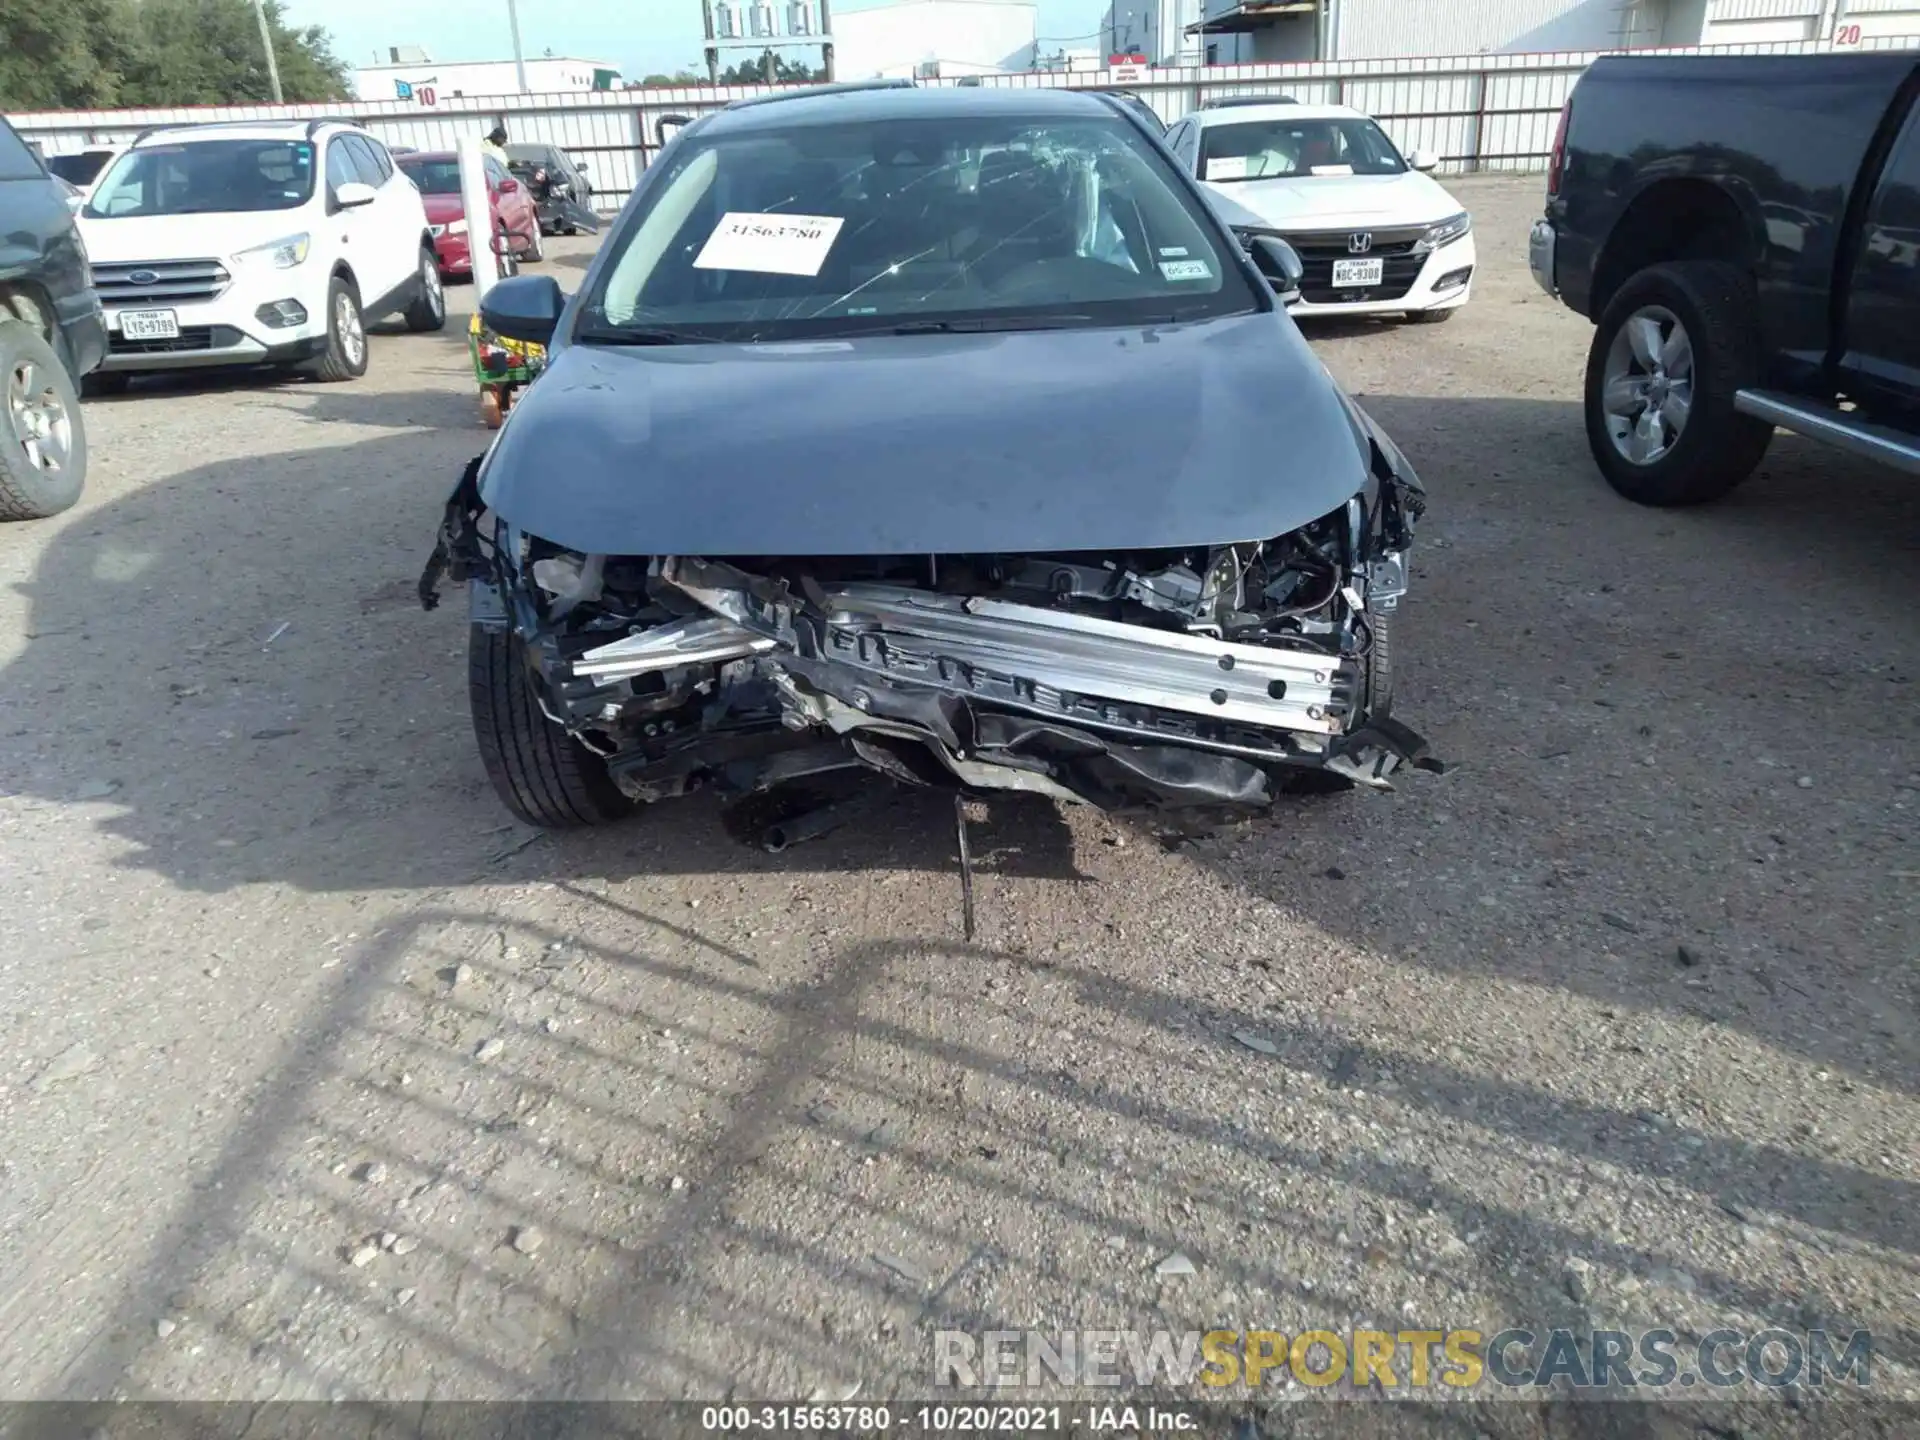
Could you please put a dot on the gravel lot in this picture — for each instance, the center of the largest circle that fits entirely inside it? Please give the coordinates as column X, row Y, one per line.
column 1612, row 1024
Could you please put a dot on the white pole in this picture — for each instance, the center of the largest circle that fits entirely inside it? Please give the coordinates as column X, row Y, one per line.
column 266, row 44
column 519, row 61
column 479, row 211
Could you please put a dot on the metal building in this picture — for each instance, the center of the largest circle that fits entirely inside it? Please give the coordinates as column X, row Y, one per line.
column 448, row 80
column 1243, row 31
column 930, row 38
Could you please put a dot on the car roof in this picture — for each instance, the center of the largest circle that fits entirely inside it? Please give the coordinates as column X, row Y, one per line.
column 860, row 103
column 1239, row 114
column 243, row 130
column 405, row 156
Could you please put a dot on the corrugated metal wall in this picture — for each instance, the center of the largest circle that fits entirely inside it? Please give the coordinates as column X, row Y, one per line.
column 1761, row 9
column 1478, row 112
column 1371, row 29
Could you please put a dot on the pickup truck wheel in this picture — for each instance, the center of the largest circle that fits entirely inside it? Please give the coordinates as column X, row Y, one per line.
column 43, row 443
column 1671, row 349
column 545, row 776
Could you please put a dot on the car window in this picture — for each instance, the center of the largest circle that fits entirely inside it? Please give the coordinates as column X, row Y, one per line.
column 340, row 167
column 79, row 169
column 1178, row 140
column 17, row 162
column 846, row 227
column 433, row 174
column 377, row 153
column 205, row 177
column 1291, row 149
column 366, row 168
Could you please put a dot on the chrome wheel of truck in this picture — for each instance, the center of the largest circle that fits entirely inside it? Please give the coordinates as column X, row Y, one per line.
column 1673, row 346
column 1648, row 388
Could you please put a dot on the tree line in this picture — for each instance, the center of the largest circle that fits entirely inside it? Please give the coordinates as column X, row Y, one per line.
column 106, row 54
column 767, row 68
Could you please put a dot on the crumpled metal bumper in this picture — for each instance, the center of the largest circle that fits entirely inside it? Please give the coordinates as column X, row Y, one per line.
column 1016, row 696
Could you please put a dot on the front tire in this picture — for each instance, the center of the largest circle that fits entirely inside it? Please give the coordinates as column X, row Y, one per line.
column 545, row 776
column 429, row 308
column 43, row 442
column 1672, row 348
column 345, row 357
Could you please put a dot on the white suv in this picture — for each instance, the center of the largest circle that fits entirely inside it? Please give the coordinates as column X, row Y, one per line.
column 1376, row 235
column 256, row 243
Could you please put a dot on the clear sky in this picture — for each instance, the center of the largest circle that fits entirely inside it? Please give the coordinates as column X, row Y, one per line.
column 637, row 35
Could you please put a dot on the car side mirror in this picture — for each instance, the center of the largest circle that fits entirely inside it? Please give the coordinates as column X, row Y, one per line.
column 509, row 186
column 524, row 307
column 1280, row 263
column 1423, row 160
column 352, row 194
column 668, row 126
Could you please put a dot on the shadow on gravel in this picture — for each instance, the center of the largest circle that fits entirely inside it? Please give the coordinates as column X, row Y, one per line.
column 238, row 654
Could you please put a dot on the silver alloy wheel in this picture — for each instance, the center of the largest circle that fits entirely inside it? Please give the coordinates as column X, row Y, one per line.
column 38, row 418
column 353, row 335
column 1647, row 392
column 436, row 294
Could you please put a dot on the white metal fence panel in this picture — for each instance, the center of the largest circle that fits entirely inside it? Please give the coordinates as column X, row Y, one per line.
column 1478, row 112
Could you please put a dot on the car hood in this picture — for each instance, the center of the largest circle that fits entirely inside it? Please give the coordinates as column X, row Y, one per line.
column 188, row 237
column 1107, row 439
column 1330, row 202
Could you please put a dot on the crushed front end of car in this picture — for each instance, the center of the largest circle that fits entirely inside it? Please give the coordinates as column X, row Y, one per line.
column 1149, row 679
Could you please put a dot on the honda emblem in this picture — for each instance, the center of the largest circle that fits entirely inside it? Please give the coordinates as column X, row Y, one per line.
column 1359, row 242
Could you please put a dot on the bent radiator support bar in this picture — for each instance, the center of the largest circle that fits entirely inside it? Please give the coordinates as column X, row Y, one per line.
column 960, row 644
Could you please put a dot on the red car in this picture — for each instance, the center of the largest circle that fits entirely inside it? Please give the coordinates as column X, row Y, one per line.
column 516, row 215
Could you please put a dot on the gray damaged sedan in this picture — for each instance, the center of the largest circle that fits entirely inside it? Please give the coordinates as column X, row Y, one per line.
column 950, row 433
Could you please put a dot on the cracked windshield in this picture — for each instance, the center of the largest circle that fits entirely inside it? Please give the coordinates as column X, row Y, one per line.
column 974, row 222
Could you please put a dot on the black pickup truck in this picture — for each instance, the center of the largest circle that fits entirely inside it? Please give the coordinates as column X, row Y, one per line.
column 1744, row 231
column 52, row 333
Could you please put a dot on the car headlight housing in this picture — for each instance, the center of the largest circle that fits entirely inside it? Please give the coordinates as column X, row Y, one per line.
column 281, row 254
column 1446, row 232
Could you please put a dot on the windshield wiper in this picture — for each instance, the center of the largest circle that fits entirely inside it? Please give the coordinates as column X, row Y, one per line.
column 643, row 335
column 967, row 326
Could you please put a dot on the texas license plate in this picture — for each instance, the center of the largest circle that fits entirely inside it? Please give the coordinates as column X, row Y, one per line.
column 1357, row 272
column 150, row 324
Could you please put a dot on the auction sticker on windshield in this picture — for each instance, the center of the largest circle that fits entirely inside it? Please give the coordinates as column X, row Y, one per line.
column 1186, row 269
column 1227, row 167
column 770, row 244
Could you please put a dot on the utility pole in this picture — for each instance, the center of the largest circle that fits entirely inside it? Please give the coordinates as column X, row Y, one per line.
column 519, row 60
column 266, row 43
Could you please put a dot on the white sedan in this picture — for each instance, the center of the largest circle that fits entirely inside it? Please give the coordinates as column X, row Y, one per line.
column 1376, row 235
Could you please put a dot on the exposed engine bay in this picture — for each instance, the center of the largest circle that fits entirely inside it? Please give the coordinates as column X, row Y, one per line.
column 1143, row 680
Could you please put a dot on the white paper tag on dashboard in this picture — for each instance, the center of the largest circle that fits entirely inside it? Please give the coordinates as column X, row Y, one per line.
column 770, row 244
column 1177, row 270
